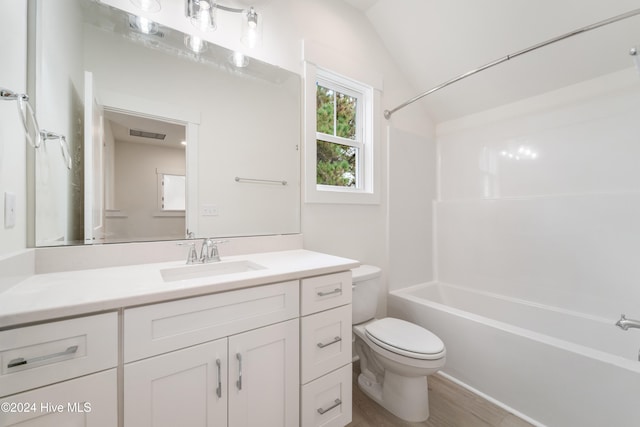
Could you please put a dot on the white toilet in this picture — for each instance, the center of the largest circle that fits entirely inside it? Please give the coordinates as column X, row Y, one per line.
column 395, row 355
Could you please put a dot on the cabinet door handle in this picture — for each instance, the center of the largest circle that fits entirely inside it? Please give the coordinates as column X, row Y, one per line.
column 336, row 403
column 239, row 382
column 22, row 361
column 335, row 340
column 219, row 389
column 335, row 291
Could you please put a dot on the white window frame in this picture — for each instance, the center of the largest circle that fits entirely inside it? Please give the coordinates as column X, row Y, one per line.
column 337, row 84
column 367, row 190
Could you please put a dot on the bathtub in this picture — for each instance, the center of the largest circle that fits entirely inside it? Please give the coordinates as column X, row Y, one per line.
column 550, row 366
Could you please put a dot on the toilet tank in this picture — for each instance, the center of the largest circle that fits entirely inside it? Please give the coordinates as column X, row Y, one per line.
column 366, row 285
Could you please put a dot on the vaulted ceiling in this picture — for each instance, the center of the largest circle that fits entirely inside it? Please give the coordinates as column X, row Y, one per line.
column 435, row 40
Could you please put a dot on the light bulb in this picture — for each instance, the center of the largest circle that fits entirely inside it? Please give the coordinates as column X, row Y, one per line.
column 195, row 43
column 202, row 14
column 251, row 28
column 146, row 26
column 239, row 60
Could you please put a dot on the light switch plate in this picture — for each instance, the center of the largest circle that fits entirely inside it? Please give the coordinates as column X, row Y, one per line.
column 210, row 210
column 9, row 210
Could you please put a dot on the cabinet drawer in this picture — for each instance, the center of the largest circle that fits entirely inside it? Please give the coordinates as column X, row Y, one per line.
column 325, row 343
column 90, row 401
column 38, row 355
column 326, row 401
column 160, row 328
column 325, row 292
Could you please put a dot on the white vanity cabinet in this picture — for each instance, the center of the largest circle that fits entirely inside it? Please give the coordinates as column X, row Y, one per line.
column 224, row 359
column 122, row 347
column 60, row 373
column 325, row 350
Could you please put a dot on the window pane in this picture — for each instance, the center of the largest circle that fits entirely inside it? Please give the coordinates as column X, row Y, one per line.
column 346, row 116
column 173, row 192
column 336, row 164
column 324, row 110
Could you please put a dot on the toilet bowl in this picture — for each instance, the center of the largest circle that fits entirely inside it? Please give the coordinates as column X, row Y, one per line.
column 396, row 356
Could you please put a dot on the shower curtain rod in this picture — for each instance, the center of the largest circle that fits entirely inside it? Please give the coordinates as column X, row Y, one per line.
column 388, row 113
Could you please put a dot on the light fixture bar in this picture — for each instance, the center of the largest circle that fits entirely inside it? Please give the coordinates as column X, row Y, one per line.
column 202, row 14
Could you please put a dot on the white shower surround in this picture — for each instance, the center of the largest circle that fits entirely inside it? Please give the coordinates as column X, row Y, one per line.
column 536, row 258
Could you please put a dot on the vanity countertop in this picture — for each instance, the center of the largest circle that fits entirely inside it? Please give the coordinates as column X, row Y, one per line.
column 43, row 297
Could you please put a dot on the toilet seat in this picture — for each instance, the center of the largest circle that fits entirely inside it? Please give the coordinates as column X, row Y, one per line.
column 405, row 338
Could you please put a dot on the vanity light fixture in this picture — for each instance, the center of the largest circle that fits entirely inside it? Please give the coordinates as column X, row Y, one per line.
column 202, row 14
column 147, row 5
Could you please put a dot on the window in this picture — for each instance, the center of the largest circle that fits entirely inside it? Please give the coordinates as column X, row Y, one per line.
column 339, row 142
column 339, row 155
column 171, row 192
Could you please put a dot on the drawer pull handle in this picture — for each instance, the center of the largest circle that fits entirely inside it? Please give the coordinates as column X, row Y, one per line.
column 336, row 403
column 335, row 340
column 22, row 361
column 239, row 382
column 219, row 389
column 335, row 291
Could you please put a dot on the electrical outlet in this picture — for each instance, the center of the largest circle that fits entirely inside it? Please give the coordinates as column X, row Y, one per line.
column 209, row 210
column 9, row 210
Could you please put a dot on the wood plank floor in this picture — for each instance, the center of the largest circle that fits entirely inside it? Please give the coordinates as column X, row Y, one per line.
column 450, row 406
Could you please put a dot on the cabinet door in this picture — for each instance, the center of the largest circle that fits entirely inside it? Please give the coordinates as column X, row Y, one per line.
column 264, row 377
column 89, row 401
column 183, row 388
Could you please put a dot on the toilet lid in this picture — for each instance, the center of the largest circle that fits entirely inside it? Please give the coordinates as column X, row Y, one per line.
column 405, row 338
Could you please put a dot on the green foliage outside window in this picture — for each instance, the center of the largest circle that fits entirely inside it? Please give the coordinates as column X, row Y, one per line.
column 336, row 116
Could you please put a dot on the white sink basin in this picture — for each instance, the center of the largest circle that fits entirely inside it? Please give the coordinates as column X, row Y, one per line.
column 187, row 272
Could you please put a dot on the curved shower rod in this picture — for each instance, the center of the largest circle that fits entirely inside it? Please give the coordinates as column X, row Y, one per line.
column 634, row 12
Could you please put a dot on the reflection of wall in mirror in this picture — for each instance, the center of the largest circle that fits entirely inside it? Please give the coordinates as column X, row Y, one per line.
column 59, row 108
column 249, row 128
column 135, row 194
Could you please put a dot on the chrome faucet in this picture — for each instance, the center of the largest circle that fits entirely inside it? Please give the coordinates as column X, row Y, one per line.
column 209, row 251
column 625, row 323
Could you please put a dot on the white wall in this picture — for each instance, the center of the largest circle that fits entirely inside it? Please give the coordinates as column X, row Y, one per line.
column 412, row 190
column 136, row 193
column 356, row 231
column 560, row 225
column 13, row 75
column 362, row 231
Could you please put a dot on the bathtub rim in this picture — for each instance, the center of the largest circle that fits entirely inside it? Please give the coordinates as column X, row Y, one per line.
column 602, row 356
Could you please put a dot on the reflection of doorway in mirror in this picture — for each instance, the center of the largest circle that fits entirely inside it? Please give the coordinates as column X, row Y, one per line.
column 139, row 152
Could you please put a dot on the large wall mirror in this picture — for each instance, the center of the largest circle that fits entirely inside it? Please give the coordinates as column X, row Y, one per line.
column 164, row 142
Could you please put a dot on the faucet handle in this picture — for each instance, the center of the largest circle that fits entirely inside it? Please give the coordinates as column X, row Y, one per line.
column 192, row 256
column 215, row 255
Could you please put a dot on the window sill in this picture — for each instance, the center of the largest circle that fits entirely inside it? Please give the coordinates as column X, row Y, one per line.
column 169, row 214
column 329, row 195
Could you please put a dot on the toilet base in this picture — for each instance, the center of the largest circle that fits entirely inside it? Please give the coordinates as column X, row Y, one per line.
column 405, row 397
